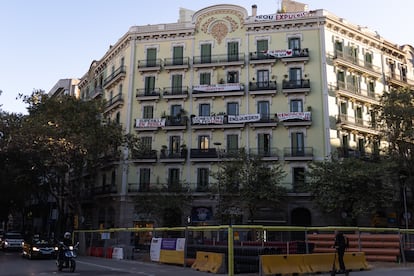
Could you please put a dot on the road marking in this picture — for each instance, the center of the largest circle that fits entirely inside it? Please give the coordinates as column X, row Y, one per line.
column 115, row 269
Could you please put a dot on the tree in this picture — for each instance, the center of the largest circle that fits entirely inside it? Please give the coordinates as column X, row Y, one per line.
column 65, row 139
column 246, row 181
column 396, row 118
column 350, row 186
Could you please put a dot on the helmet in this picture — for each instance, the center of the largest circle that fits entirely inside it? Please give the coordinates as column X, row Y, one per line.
column 67, row 235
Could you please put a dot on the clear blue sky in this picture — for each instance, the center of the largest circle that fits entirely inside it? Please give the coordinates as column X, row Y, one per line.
column 43, row 41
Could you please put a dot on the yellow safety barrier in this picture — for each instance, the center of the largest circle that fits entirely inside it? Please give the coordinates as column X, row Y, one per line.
column 171, row 257
column 355, row 261
column 319, row 262
column 209, row 262
column 283, row 264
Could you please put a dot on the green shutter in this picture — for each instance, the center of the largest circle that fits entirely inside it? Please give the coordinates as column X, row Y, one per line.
column 233, row 51
column 178, row 55
column 205, row 53
column 262, row 47
column 151, row 56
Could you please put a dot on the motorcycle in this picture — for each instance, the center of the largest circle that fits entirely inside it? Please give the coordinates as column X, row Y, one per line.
column 68, row 256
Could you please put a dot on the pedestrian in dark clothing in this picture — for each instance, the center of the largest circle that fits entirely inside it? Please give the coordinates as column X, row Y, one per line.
column 341, row 243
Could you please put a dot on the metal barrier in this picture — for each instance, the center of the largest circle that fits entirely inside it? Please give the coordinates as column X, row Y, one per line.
column 241, row 245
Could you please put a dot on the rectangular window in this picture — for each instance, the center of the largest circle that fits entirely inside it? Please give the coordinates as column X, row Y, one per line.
column 204, row 109
column 345, row 141
column 353, row 53
column 263, row 109
column 175, row 144
column 203, row 142
column 233, row 108
column 144, row 179
column 146, row 142
column 298, row 145
column 294, row 44
column 175, row 110
column 296, row 106
column 149, row 85
column 298, row 179
column 176, row 84
column 233, row 51
column 295, row 76
column 262, row 47
column 263, row 78
column 205, row 78
column 361, row 146
column 205, row 53
column 344, row 108
column 148, row 112
column 174, row 179
column 232, row 77
column 339, row 48
column 178, row 55
column 232, row 143
column 202, row 179
column 263, row 144
column 151, row 57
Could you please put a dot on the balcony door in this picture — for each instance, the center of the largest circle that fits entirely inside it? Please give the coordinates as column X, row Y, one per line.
column 263, row 109
column 144, row 179
column 263, row 144
column 151, row 57
column 178, row 55
column 205, row 53
column 173, row 179
column 298, row 144
column 295, row 76
column 177, row 84
column 263, row 78
column 233, row 51
column 262, row 47
column 175, row 143
column 149, row 85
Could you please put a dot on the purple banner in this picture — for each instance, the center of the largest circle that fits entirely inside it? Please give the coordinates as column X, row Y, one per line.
column 168, row 244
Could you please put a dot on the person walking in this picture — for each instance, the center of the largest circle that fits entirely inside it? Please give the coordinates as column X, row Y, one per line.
column 341, row 243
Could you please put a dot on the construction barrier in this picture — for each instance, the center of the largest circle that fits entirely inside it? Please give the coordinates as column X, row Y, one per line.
column 283, row 264
column 310, row 263
column 355, row 261
column 209, row 262
column 171, row 257
column 117, row 253
column 319, row 262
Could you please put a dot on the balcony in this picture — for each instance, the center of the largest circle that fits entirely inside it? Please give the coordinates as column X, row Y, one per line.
column 266, row 120
column 215, row 61
column 173, row 156
column 175, row 93
column 115, row 77
column 398, row 80
column 104, row 190
column 263, row 88
column 296, row 55
column 267, row 154
column 346, row 152
column 176, row 63
column 175, row 123
column 357, row 124
column 296, row 86
column 145, row 94
column 350, row 90
column 114, row 103
column 218, row 90
column 149, row 65
column 204, row 155
column 298, row 154
column 96, row 93
column 256, row 58
column 294, row 119
column 139, row 187
column 362, row 66
column 144, row 156
column 220, row 121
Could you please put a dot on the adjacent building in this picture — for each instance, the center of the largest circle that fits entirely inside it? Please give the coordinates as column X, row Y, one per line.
column 293, row 87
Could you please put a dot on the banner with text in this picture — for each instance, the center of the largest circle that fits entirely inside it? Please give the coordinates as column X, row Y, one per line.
column 218, row 87
column 149, row 123
column 207, row 120
column 305, row 116
column 234, row 119
column 281, row 16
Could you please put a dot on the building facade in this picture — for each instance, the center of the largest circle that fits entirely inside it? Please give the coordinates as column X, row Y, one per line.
column 293, row 87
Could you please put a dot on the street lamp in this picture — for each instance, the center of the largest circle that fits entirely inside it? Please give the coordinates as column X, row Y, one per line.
column 218, row 144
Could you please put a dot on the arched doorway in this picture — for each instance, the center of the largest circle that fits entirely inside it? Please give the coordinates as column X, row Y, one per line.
column 300, row 217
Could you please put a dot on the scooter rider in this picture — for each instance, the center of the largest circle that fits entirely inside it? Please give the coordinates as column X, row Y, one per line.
column 67, row 241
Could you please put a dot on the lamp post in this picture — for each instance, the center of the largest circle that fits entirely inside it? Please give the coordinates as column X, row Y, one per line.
column 218, row 144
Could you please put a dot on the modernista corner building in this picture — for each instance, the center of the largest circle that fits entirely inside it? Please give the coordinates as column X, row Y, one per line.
column 294, row 86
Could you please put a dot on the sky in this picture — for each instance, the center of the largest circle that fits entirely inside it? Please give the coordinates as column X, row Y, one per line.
column 43, row 41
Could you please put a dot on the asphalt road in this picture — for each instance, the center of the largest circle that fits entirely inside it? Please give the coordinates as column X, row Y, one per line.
column 12, row 264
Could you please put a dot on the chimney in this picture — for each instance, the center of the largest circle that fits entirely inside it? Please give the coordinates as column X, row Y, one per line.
column 254, row 10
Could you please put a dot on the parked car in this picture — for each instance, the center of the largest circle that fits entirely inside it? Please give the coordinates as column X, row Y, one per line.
column 12, row 241
column 37, row 247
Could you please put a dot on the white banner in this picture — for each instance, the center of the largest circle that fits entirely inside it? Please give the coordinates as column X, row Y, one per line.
column 218, row 87
column 155, row 249
column 205, row 120
column 281, row 16
column 234, row 119
column 147, row 123
column 305, row 116
column 279, row 53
